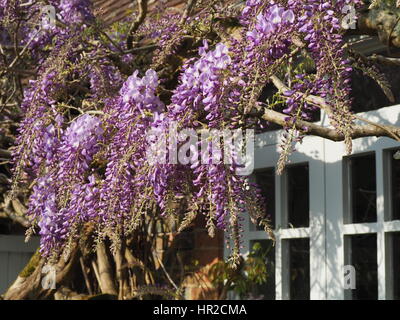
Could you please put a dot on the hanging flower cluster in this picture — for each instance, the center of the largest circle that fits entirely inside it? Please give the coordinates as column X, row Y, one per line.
column 66, row 165
column 87, row 128
column 76, row 11
column 200, row 86
column 130, row 114
column 275, row 18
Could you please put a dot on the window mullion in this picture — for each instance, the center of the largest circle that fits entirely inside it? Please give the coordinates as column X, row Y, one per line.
column 380, row 207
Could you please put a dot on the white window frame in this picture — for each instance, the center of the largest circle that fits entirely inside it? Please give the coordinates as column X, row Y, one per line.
column 327, row 229
column 336, row 175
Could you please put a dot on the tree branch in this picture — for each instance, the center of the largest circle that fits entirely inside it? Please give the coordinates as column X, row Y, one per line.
column 385, row 60
column 314, row 100
column 122, row 271
column 309, row 128
column 105, row 273
column 188, row 10
column 358, row 131
column 28, row 285
column 14, row 210
column 381, row 20
column 142, row 6
column 5, row 154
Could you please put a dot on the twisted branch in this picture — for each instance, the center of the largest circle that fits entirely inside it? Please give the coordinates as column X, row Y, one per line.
column 142, row 6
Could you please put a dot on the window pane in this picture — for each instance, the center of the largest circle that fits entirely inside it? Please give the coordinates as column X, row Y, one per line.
column 266, row 181
column 299, row 269
column 363, row 188
column 394, row 245
column 7, row 226
column 395, row 176
column 265, row 250
column 298, row 196
column 362, row 254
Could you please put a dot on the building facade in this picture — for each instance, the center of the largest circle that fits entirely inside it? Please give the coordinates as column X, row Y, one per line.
column 336, row 218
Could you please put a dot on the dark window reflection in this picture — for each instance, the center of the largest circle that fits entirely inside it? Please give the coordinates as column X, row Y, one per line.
column 363, row 256
column 363, row 188
column 266, row 181
column 395, row 174
column 7, row 226
column 395, row 246
column 366, row 94
column 265, row 250
column 298, row 196
column 299, row 268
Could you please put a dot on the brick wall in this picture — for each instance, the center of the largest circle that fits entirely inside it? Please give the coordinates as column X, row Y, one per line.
column 207, row 251
column 189, row 255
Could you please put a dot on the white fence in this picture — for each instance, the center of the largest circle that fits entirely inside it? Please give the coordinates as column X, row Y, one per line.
column 14, row 255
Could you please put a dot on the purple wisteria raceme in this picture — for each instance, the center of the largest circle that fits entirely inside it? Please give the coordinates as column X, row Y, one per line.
column 50, row 203
column 200, row 86
column 84, row 203
column 76, row 11
column 84, row 132
column 43, row 210
column 204, row 87
column 130, row 115
column 46, row 143
column 79, row 144
column 104, row 80
column 270, row 22
column 315, row 26
column 140, row 92
column 35, row 130
column 87, row 168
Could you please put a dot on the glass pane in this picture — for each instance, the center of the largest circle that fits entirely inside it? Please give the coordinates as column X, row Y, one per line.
column 298, row 196
column 394, row 238
column 299, row 269
column 395, row 176
column 362, row 255
column 265, row 250
column 363, row 188
column 266, row 181
column 7, row 226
